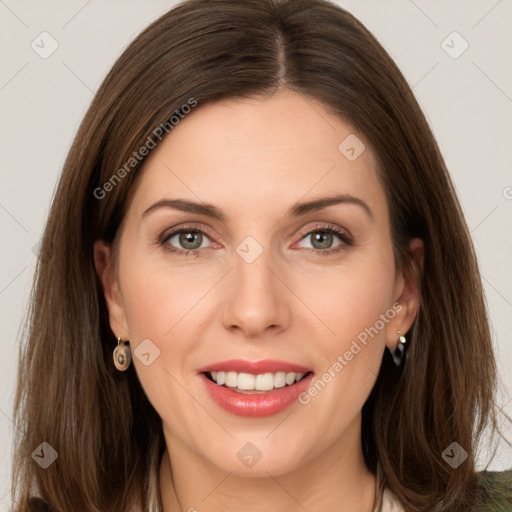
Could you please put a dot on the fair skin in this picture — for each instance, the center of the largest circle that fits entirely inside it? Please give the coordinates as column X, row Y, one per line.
column 254, row 159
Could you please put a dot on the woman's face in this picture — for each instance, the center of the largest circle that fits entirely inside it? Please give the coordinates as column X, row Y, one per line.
column 309, row 287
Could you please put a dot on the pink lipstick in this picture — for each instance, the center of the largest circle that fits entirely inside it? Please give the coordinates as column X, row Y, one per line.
column 255, row 389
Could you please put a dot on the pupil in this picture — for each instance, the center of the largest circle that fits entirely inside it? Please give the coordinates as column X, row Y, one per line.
column 187, row 238
column 324, row 238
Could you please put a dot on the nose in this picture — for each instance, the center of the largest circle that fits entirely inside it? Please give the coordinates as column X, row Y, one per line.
column 257, row 300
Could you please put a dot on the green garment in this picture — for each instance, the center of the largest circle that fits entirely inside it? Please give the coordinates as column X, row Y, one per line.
column 497, row 487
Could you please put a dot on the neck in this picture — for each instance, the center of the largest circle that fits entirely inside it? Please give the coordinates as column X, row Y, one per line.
column 335, row 480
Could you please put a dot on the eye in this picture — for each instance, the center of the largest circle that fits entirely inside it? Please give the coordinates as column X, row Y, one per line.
column 323, row 236
column 185, row 241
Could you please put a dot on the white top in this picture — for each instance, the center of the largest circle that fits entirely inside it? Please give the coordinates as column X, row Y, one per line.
column 387, row 502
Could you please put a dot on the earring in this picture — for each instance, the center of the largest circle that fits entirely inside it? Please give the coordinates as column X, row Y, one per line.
column 122, row 355
column 398, row 354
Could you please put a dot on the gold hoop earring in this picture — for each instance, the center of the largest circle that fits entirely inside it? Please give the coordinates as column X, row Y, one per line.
column 122, row 355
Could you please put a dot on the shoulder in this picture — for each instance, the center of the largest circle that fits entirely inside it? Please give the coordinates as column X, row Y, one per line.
column 496, row 489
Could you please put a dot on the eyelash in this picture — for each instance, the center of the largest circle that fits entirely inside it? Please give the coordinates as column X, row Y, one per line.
column 345, row 238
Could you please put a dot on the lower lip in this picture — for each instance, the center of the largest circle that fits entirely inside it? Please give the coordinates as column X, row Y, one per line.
column 257, row 405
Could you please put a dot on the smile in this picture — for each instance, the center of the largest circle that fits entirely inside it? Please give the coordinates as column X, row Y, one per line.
column 252, row 402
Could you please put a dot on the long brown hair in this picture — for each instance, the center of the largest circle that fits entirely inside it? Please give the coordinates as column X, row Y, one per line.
column 107, row 435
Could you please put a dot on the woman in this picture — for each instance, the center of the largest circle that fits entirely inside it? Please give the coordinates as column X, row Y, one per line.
column 257, row 289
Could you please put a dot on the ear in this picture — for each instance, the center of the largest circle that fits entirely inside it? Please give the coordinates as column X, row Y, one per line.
column 407, row 294
column 106, row 272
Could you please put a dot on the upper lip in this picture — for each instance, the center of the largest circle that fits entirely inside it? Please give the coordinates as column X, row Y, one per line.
column 254, row 367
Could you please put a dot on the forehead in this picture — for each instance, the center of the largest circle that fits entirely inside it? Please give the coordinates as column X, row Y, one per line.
column 254, row 154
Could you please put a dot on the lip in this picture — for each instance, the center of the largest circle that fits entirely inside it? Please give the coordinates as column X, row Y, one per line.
column 254, row 367
column 256, row 405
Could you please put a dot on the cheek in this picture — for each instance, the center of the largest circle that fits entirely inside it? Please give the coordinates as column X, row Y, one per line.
column 351, row 299
column 160, row 295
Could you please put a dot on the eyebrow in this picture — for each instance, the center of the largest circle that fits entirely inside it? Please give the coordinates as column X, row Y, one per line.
column 297, row 210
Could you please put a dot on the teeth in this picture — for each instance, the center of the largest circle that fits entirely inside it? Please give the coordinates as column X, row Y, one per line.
column 231, row 379
column 290, row 378
column 244, row 381
column 250, row 382
column 280, row 380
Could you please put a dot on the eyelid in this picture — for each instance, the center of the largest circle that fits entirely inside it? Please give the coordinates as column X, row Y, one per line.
column 326, row 226
column 168, row 233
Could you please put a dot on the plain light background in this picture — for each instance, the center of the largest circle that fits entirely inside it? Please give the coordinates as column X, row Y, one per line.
column 467, row 100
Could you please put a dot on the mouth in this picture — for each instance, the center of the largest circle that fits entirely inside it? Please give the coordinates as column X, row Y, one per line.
column 255, row 388
column 254, row 384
